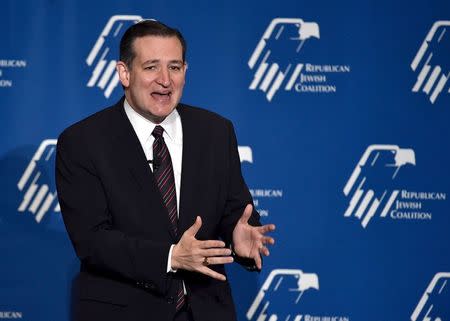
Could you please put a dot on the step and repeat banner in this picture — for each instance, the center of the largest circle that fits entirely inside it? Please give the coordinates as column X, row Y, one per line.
column 342, row 112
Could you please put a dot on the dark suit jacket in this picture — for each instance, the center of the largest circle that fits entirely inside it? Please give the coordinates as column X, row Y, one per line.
column 119, row 226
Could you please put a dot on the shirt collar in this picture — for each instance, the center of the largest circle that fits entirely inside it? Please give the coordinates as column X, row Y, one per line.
column 144, row 127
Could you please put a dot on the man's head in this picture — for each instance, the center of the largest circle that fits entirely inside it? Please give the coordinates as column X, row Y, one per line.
column 152, row 68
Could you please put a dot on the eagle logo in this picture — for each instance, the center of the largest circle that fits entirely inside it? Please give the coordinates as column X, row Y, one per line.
column 275, row 58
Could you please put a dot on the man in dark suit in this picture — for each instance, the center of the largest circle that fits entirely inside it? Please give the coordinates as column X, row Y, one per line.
column 152, row 195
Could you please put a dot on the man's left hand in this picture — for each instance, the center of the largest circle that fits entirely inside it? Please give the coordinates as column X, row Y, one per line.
column 250, row 241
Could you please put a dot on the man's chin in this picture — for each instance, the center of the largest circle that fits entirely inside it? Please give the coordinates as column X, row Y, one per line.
column 159, row 115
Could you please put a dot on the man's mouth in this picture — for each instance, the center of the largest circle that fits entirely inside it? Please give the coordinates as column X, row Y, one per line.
column 161, row 96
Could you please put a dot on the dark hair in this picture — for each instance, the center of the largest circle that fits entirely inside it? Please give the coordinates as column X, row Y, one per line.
column 146, row 28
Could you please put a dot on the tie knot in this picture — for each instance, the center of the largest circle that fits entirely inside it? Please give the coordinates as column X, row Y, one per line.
column 158, row 131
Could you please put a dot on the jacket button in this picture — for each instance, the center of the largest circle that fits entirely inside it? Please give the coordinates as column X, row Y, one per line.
column 170, row 300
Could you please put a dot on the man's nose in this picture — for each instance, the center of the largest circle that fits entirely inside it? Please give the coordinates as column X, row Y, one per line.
column 164, row 77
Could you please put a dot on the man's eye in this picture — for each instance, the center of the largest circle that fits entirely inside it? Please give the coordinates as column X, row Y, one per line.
column 176, row 68
column 150, row 68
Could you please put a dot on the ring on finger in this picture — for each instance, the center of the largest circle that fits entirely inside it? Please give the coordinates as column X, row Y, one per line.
column 205, row 261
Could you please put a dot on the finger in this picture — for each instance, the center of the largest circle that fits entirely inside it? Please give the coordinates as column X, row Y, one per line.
column 216, row 252
column 258, row 262
column 195, row 227
column 266, row 228
column 264, row 251
column 246, row 214
column 210, row 244
column 220, row 260
column 211, row 273
column 268, row 240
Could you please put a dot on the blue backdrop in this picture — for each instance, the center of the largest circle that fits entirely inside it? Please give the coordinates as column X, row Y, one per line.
column 341, row 110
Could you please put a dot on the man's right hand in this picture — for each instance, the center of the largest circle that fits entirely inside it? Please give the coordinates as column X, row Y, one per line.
column 191, row 254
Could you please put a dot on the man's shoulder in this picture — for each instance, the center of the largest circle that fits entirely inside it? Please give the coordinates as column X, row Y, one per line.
column 98, row 122
column 201, row 115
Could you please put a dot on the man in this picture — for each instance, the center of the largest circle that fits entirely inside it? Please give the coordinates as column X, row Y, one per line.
column 152, row 195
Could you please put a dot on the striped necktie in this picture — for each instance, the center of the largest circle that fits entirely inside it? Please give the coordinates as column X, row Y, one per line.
column 166, row 184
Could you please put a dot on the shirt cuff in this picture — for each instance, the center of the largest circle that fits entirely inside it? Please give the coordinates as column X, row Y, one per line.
column 169, row 260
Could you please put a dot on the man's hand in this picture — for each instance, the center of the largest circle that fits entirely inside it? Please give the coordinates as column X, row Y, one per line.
column 249, row 241
column 194, row 255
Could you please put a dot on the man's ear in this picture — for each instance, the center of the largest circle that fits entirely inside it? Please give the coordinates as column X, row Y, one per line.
column 124, row 73
column 185, row 67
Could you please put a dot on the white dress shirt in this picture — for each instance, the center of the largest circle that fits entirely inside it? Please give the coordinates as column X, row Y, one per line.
column 173, row 137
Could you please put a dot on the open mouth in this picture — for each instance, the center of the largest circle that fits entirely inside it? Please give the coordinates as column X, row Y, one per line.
column 161, row 96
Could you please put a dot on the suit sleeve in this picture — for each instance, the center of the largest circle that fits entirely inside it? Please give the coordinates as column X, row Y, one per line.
column 89, row 223
column 238, row 196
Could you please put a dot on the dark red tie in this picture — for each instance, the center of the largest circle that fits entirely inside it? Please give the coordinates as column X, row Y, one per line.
column 166, row 182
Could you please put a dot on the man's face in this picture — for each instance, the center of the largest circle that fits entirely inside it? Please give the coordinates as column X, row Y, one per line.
column 154, row 83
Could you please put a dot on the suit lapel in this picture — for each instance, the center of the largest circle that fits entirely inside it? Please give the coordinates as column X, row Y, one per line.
column 189, row 168
column 127, row 143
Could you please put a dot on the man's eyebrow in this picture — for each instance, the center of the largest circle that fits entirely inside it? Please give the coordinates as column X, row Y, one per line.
column 153, row 61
